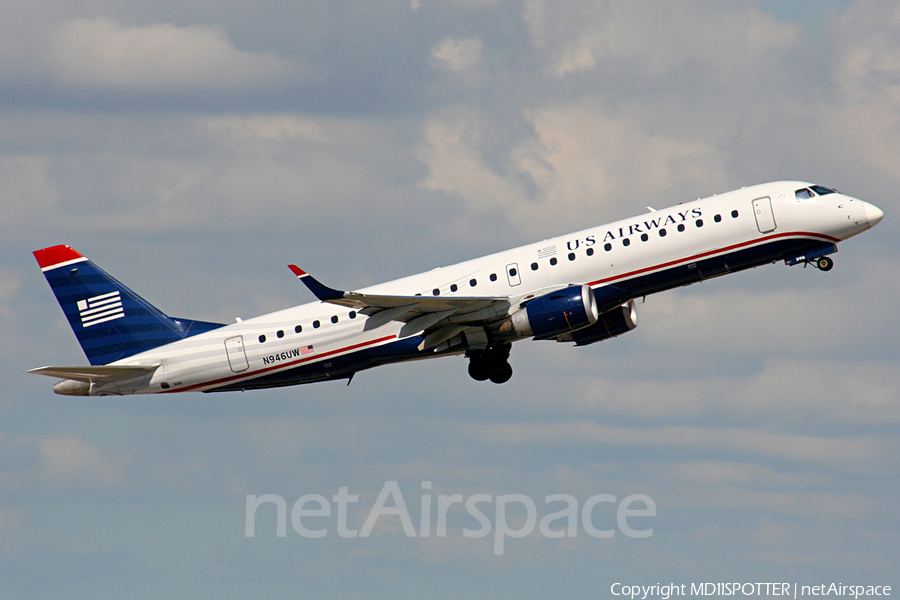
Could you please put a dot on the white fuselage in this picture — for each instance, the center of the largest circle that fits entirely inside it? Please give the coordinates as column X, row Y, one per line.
column 318, row 334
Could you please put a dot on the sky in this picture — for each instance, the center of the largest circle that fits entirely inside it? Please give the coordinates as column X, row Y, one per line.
column 193, row 150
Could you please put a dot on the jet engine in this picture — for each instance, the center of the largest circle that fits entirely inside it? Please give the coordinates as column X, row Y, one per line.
column 556, row 313
column 610, row 324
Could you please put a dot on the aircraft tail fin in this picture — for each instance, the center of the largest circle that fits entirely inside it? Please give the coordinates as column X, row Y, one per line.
column 110, row 321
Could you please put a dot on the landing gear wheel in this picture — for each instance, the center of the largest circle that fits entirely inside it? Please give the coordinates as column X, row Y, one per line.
column 823, row 263
column 502, row 373
column 479, row 370
column 491, row 363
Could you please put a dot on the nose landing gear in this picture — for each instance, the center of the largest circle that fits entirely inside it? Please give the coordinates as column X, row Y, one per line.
column 815, row 257
column 823, row 263
column 491, row 363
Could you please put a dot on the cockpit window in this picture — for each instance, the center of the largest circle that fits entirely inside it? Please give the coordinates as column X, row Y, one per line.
column 803, row 194
column 822, row 190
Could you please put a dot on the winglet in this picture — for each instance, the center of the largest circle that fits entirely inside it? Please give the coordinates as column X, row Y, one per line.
column 319, row 290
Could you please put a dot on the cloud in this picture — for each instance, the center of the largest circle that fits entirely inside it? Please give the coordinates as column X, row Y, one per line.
column 450, row 148
column 654, row 38
column 863, row 110
column 585, row 153
column 457, row 55
column 578, row 156
column 845, row 451
column 86, row 53
column 66, row 460
column 26, row 186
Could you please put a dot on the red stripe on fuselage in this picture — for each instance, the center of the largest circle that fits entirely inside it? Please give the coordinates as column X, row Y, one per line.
column 724, row 250
column 283, row 366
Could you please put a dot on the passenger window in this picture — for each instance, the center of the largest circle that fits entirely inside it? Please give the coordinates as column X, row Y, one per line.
column 280, row 333
column 473, row 282
column 436, row 292
column 681, row 227
column 493, row 277
column 589, row 251
column 717, row 218
column 571, row 256
column 626, row 242
column 262, row 339
column 734, row 214
column 534, row 266
column 454, row 287
column 553, row 261
column 699, row 222
column 662, row 233
column 607, row 246
column 512, row 272
column 644, row 237
column 298, row 328
column 316, row 324
column 334, row 319
column 352, row 314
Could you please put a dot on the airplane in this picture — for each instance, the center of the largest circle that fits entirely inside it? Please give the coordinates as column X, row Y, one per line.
column 578, row 288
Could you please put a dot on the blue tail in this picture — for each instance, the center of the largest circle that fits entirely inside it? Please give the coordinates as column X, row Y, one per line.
column 110, row 321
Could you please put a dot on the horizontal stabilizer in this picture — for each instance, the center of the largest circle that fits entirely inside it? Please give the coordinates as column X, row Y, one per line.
column 102, row 374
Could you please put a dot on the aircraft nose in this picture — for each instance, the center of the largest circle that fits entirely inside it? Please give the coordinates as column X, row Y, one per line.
column 873, row 214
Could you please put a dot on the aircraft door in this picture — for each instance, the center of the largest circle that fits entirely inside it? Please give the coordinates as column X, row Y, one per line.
column 512, row 273
column 237, row 359
column 765, row 218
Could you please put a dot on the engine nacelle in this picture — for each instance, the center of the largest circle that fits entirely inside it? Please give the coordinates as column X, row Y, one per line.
column 563, row 311
column 610, row 324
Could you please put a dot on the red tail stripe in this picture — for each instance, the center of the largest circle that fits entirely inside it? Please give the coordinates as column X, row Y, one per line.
column 55, row 255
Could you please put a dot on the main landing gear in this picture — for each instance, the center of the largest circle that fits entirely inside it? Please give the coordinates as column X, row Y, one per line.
column 492, row 363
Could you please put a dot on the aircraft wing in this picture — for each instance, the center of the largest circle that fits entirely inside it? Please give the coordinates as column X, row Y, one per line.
column 429, row 311
column 97, row 374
